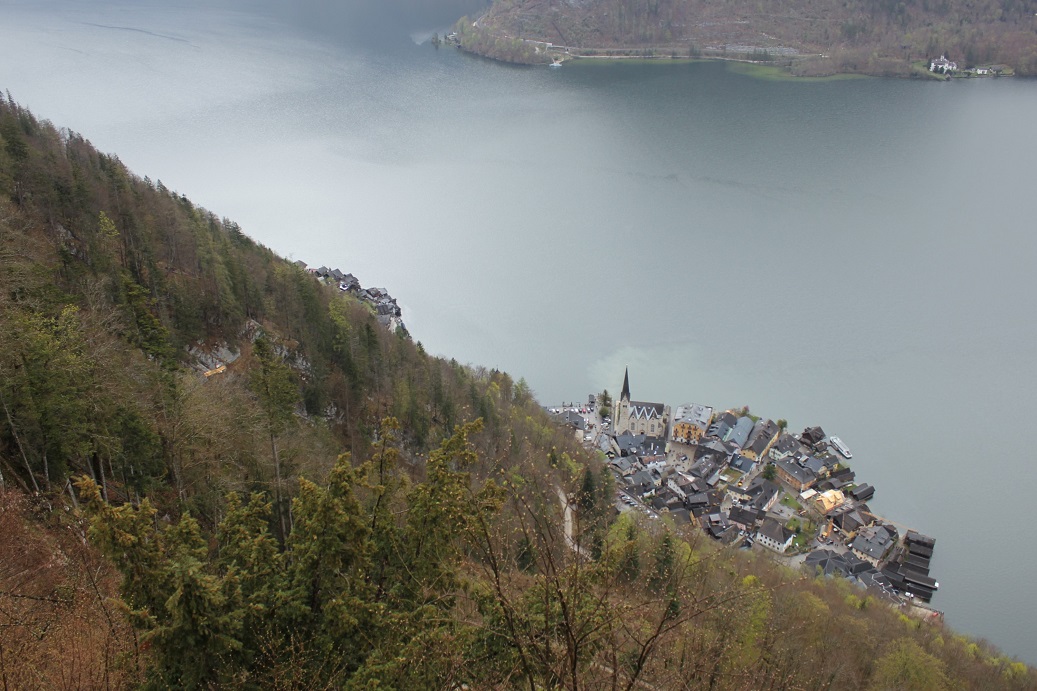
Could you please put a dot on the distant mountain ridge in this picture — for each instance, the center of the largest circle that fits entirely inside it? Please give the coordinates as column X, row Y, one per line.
column 883, row 37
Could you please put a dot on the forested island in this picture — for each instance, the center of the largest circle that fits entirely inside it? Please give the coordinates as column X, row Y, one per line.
column 333, row 506
column 875, row 37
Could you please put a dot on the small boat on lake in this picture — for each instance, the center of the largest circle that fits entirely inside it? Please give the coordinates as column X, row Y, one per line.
column 840, row 446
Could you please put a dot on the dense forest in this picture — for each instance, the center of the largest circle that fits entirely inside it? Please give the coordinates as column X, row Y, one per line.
column 338, row 509
column 883, row 37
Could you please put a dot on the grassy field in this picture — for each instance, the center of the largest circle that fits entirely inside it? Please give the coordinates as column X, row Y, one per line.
column 755, row 70
column 774, row 73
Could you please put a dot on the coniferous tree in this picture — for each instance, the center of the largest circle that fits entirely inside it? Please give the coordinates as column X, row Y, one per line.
column 329, row 558
column 277, row 394
column 253, row 567
column 196, row 637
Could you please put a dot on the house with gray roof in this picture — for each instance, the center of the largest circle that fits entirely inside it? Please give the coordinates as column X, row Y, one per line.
column 567, row 417
column 627, row 443
column 742, row 463
column 774, row 535
column 690, row 422
column 812, row 437
column 643, row 479
column 795, row 475
column 574, row 419
column 850, row 519
column 785, row 447
column 832, row 563
column 874, row 543
column 740, row 431
column 814, row 465
column 829, row 483
column 625, row 466
column 667, row 500
column 909, row 571
column 845, row 474
column 762, row 436
column 763, row 494
column 697, row 503
column 757, row 448
column 716, row 524
column 862, row 492
column 705, row 468
column 722, row 426
column 746, row 518
column 349, row 282
column 681, row 484
column 711, row 447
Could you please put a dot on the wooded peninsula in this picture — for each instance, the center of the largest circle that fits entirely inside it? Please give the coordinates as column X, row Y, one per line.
column 898, row 38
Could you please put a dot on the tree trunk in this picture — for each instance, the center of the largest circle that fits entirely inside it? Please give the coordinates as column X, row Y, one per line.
column 46, row 471
column 18, row 440
column 98, row 474
column 72, row 493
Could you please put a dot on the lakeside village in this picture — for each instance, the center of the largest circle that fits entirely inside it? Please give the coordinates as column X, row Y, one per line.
column 748, row 482
column 210, row 361
column 386, row 311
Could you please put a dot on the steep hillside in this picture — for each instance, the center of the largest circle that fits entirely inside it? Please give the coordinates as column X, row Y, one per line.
column 863, row 36
column 108, row 278
column 336, row 508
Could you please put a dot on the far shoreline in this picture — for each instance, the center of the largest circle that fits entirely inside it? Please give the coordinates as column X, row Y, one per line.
column 548, row 54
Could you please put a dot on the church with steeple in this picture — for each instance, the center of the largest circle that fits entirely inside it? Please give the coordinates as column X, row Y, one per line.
column 639, row 417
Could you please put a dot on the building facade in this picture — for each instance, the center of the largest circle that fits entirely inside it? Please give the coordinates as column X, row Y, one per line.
column 639, row 417
column 690, row 423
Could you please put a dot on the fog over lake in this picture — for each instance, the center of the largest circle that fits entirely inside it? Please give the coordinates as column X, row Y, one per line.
column 853, row 254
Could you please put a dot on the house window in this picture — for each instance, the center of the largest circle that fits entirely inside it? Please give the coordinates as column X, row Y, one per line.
column 653, row 428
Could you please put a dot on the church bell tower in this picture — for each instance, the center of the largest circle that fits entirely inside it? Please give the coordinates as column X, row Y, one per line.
column 621, row 418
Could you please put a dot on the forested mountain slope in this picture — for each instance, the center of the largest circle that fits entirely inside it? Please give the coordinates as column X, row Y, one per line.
column 864, row 36
column 337, row 508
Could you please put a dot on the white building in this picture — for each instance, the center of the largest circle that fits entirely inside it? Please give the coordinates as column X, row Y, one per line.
column 943, row 65
column 774, row 535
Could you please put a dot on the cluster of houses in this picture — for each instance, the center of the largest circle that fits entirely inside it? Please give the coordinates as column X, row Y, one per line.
column 747, row 481
column 385, row 308
column 942, row 65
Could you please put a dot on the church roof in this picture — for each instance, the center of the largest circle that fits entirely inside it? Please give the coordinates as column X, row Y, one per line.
column 647, row 411
column 626, row 385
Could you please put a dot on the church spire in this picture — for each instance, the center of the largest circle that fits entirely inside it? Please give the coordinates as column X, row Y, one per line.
column 625, row 395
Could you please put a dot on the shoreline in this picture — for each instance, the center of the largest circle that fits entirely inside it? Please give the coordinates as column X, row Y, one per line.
column 778, row 69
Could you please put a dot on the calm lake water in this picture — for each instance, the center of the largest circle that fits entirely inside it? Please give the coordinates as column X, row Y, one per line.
column 855, row 254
